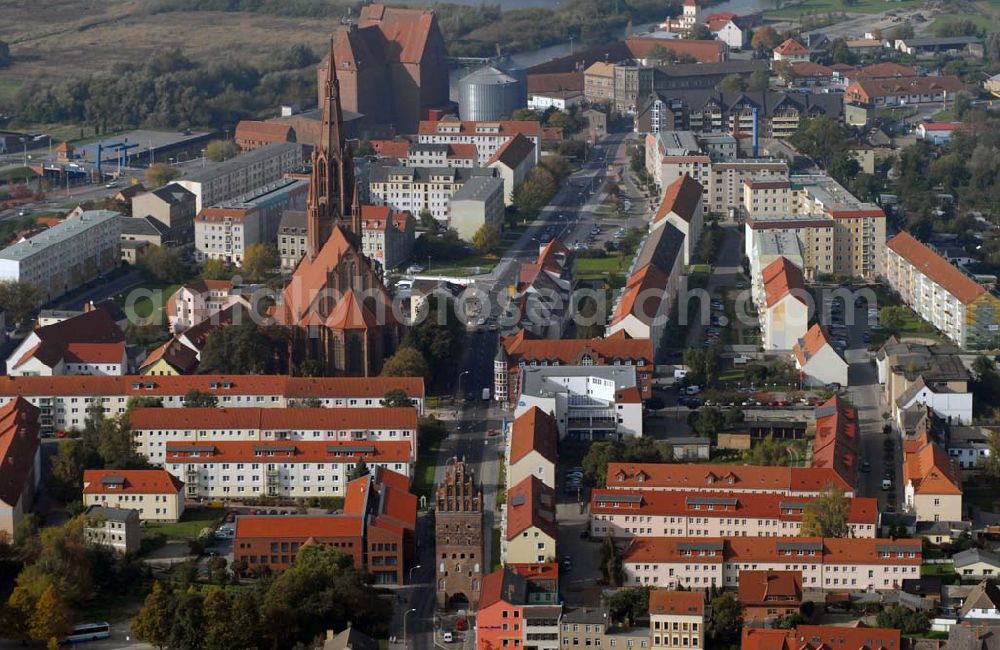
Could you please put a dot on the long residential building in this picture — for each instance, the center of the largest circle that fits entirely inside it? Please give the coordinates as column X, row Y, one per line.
column 839, row 234
column 830, row 564
column 66, row 255
column 155, row 494
column 416, row 189
column 625, row 514
column 488, row 137
column 789, row 481
column 242, row 174
column 963, row 310
column 287, row 469
column 63, row 401
column 153, row 428
column 225, row 231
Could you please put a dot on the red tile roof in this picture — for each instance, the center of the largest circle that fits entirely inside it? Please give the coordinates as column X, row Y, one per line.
column 298, row 526
column 342, row 451
column 399, row 506
column 391, row 148
column 534, row 430
column 681, row 198
column 782, row 278
column 881, row 70
column 748, row 505
column 821, row 637
column 810, row 345
column 791, row 46
column 876, row 551
column 512, row 152
column 652, row 476
column 467, row 127
column 220, row 385
column 942, row 126
column 531, row 504
column 407, row 29
column 701, row 51
column 867, row 88
column 526, row 347
column 643, row 294
column 294, row 419
column 837, row 443
column 260, row 131
column 18, row 446
column 772, row 588
column 930, row 469
column 91, row 337
column 935, row 267
column 676, row 603
column 810, row 69
column 130, row 481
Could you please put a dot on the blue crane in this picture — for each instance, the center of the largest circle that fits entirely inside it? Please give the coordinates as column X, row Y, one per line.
column 122, row 149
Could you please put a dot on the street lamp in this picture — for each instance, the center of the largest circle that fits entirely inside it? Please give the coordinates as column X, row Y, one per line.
column 405, row 614
column 462, row 374
column 411, row 572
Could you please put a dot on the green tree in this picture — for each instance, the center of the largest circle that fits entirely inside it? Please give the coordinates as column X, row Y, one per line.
column 708, row 422
column 218, row 614
column 700, row 32
column 163, row 264
column 245, row 348
column 990, row 464
column 360, row 469
column 726, row 623
column 904, row 619
column 595, row 462
column 626, row 606
column 759, row 80
column 115, row 445
column 195, row 398
column 68, row 463
column 159, row 174
column 213, row 269
column 219, row 150
column 50, row 618
column 260, row 261
column 19, row 300
column 187, row 622
column 143, row 402
column 427, row 220
column 396, row 397
column 439, row 336
column 487, row 238
column 768, row 452
column 732, row 83
column 826, row 515
column 892, row 318
column 612, row 564
column 406, row 362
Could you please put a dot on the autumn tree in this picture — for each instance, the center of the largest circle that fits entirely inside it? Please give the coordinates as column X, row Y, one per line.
column 260, row 261
column 159, row 174
column 163, row 264
column 612, row 564
column 50, row 618
column 16, row 621
column 195, row 398
column 406, row 362
column 826, row 515
column 892, row 318
column 487, row 238
column 213, row 269
column 765, row 37
column 219, row 150
column 19, row 300
column 152, row 622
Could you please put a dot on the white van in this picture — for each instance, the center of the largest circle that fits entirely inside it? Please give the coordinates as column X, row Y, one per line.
column 741, row 360
column 692, row 390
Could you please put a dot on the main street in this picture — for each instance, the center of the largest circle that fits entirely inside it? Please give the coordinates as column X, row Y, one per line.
column 570, row 214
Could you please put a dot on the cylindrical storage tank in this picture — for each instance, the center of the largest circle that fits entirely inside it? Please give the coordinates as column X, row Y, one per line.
column 488, row 94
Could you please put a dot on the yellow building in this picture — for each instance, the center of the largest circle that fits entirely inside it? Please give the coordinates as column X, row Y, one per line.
column 528, row 531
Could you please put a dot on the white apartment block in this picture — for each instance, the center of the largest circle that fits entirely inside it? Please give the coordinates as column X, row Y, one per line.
column 941, row 294
column 291, row 470
column 155, row 494
column 66, row 255
column 64, row 400
column 198, row 301
column 225, row 231
column 587, row 402
column 826, row 563
column 241, row 174
column 153, row 428
column 625, row 514
column 487, row 136
column 419, row 188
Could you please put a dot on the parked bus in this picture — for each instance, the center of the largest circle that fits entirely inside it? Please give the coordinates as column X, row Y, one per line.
column 88, row 632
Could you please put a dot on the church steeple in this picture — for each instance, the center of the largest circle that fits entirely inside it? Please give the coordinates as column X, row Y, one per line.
column 332, row 183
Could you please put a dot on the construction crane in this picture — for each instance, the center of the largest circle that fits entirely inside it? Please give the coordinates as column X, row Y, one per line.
column 122, row 149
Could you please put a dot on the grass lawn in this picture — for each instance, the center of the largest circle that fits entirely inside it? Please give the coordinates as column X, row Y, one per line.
column 597, row 268
column 8, row 88
column 979, row 20
column 423, row 474
column 471, row 265
column 191, row 524
column 835, row 6
column 17, row 174
column 145, row 305
column 495, row 548
column 937, row 569
column 944, row 116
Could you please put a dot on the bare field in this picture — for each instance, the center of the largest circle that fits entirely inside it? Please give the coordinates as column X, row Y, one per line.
column 66, row 38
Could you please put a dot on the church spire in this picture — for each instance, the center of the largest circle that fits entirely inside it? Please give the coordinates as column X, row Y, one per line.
column 332, row 168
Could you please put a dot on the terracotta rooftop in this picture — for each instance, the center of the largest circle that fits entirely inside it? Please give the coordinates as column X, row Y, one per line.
column 810, row 345
column 930, row 469
column 936, row 268
column 18, row 445
column 676, row 603
column 712, row 51
column 283, row 419
column 297, row 451
column 782, row 278
column 643, row 295
column 531, row 504
column 534, row 430
column 821, row 637
column 669, row 476
column 907, row 85
column 770, row 587
column 791, row 46
column 130, row 481
column 836, row 445
column 526, row 347
column 681, row 198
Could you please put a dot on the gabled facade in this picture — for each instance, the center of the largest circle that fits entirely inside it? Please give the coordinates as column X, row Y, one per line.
column 817, row 360
column 529, row 529
column 683, row 207
column 784, row 313
column 154, row 493
column 91, row 343
column 532, row 448
column 931, row 483
column 20, row 457
column 676, row 619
